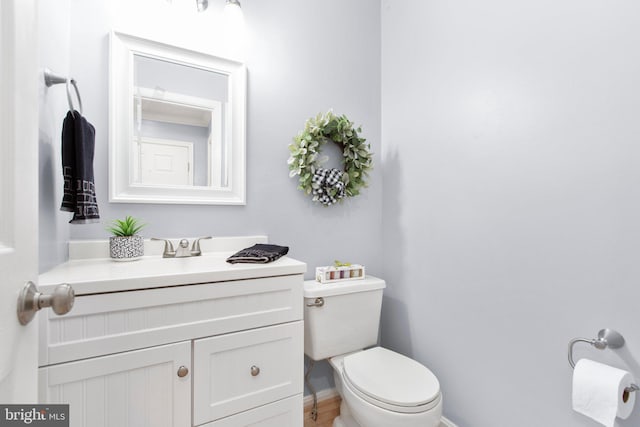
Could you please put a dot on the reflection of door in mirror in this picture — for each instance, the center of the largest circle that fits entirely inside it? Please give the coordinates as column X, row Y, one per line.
column 165, row 162
column 174, row 103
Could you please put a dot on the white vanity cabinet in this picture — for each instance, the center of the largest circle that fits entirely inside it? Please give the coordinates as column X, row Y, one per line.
column 135, row 388
column 224, row 352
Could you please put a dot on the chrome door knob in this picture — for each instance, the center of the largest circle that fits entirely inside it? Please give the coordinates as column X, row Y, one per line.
column 61, row 300
column 318, row 302
column 30, row 301
column 255, row 371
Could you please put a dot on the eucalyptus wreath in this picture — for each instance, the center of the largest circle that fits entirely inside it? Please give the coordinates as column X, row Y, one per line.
column 328, row 186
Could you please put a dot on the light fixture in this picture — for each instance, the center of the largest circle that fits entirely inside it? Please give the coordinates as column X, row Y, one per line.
column 202, row 5
column 233, row 14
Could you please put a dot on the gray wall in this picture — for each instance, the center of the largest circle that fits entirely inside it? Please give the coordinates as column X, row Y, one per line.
column 511, row 197
column 510, row 207
column 303, row 58
column 54, row 40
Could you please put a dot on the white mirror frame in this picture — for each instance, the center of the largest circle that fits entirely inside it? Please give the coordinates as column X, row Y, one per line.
column 122, row 189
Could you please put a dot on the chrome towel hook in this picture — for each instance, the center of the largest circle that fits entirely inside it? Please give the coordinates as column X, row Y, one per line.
column 607, row 338
column 51, row 79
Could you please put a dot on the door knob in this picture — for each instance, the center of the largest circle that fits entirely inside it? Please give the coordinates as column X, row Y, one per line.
column 30, row 301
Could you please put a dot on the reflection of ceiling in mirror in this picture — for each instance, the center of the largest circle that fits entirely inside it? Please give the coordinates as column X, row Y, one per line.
column 169, row 112
column 171, row 77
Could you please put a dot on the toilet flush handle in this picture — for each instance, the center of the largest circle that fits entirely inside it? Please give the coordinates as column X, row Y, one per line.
column 319, row 302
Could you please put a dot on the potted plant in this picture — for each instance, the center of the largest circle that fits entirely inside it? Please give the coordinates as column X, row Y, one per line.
column 126, row 244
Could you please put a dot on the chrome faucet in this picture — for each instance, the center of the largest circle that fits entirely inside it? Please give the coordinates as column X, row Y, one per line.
column 183, row 248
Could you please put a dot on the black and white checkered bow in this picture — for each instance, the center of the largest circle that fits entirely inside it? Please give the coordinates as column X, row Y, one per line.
column 328, row 186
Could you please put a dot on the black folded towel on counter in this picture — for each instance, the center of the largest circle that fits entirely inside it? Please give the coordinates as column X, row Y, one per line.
column 78, row 145
column 258, row 254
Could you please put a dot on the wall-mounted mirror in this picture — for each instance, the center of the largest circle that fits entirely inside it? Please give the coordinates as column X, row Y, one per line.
column 177, row 125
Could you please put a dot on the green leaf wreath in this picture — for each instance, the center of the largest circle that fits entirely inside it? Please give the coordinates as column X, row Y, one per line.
column 330, row 186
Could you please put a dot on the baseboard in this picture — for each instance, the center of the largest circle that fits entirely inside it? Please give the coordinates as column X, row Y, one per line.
column 447, row 422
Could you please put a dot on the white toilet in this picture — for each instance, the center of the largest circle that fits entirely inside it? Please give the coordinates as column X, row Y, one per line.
column 379, row 387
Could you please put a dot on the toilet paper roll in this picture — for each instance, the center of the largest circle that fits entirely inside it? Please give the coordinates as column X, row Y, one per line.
column 599, row 392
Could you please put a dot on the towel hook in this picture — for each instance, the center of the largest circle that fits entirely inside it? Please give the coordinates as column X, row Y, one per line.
column 51, row 79
column 607, row 338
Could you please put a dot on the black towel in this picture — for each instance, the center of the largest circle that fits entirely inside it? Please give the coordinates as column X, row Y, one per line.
column 258, row 254
column 78, row 145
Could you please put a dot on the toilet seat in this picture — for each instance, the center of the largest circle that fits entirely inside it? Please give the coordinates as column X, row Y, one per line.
column 391, row 381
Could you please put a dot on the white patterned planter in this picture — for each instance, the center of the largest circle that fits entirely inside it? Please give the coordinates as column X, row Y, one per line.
column 126, row 248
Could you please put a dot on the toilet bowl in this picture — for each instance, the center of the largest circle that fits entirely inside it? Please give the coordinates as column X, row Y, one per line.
column 379, row 387
column 382, row 388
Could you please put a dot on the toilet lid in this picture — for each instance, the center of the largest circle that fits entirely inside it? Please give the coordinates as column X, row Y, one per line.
column 391, row 378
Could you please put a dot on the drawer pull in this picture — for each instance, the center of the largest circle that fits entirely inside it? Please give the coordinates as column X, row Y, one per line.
column 183, row 371
column 255, row 371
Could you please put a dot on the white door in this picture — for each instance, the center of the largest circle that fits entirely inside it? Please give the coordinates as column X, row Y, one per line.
column 18, row 196
column 166, row 162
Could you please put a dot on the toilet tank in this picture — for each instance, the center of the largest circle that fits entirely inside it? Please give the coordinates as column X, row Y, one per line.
column 348, row 320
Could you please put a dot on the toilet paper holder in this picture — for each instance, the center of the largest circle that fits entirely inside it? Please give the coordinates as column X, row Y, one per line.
column 607, row 338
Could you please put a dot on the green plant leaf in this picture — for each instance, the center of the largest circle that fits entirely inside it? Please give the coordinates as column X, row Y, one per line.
column 130, row 226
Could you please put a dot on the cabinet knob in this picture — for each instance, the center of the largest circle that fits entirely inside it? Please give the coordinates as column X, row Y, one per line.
column 183, row 371
column 255, row 371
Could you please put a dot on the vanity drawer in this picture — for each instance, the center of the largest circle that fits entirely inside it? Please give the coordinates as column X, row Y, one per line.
column 283, row 413
column 110, row 323
column 244, row 370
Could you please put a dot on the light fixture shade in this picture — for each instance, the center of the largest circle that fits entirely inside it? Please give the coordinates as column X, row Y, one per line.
column 233, row 15
column 202, row 5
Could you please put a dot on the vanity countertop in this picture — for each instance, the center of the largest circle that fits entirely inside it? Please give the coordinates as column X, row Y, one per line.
column 100, row 275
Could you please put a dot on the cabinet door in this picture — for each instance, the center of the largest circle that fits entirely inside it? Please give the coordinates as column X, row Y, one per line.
column 138, row 388
column 241, row 371
column 283, row 413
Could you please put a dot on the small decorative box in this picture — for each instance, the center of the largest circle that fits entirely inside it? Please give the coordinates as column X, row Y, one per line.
column 331, row 273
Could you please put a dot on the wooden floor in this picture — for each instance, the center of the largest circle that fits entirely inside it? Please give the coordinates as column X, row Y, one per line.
column 328, row 409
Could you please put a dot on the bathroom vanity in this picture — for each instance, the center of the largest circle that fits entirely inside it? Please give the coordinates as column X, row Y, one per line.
column 176, row 342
